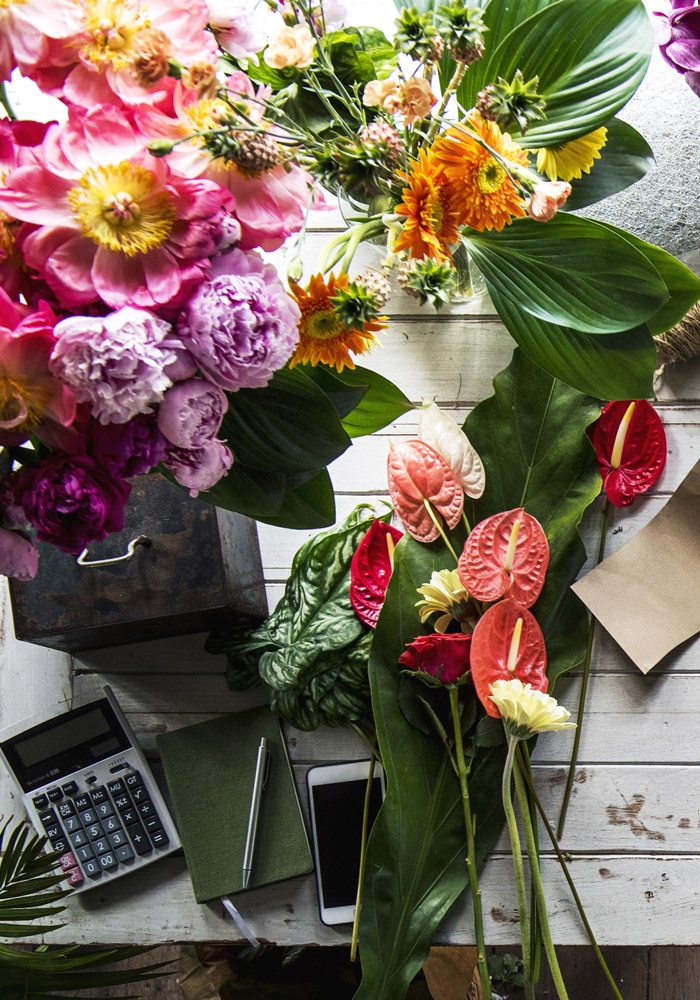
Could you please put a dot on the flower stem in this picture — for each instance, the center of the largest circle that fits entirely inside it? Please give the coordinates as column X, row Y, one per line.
column 449, row 91
column 567, row 875
column 436, row 522
column 462, row 773
column 517, row 866
column 363, row 860
column 584, row 690
column 536, row 877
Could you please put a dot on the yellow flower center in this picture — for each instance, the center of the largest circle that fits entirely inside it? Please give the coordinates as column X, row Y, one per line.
column 5, row 4
column 490, row 176
column 22, row 406
column 323, row 325
column 204, row 114
column 110, row 29
column 121, row 208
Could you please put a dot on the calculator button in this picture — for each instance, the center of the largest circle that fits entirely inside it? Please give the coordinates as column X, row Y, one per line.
column 79, row 838
column 70, row 787
column 118, row 838
column 139, row 794
column 125, row 853
column 146, row 808
column 54, row 794
column 104, row 809
column 47, row 817
column 98, row 795
column 111, row 823
column 53, row 832
column 91, row 780
column 82, row 801
column 101, row 846
column 66, row 808
column 74, row 877
column 92, row 868
column 84, row 853
column 152, row 823
column 72, row 823
column 108, row 862
column 40, row 801
column 122, row 801
column 142, row 844
column 88, row 816
column 95, row 831
column 67, row 861
column 130, row 816
column 116, row 787
column 159, row 838
column 133, row 779
column 60, row 844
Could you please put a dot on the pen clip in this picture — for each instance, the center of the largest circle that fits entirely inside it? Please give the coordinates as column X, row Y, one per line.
column 265, row 750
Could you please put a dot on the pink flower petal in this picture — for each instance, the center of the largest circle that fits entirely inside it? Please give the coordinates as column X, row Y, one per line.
column 505, row 555
column 417, row 473
column 496, row 656
column 371, row 569
column 643, row 455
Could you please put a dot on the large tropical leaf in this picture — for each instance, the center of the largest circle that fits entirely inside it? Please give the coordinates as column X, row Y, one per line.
column 625, row 158
column 585, row 76
column 570, row 271
column 375, row 400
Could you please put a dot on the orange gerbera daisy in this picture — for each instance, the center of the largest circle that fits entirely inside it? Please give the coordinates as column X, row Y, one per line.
column 430, row 206
column 488, row 197
column 323, row 336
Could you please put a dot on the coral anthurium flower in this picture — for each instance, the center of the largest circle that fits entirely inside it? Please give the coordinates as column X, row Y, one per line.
column 370, row 570
column 419, row 475
column 507, row 643
column 442, row 433
column 430, row 206
column 630, row 444
column 506, row 555
column 444, row 657
column 526, row 711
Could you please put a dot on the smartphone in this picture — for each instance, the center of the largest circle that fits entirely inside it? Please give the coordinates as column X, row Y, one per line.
column 336, row 803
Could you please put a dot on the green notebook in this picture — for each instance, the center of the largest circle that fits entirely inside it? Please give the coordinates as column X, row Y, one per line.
column 209, row 769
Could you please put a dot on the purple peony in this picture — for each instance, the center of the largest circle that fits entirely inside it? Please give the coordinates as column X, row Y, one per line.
column 241, row 325
column 127, row 450
column 199, row 468
column 678, row 36
column 191, row 412
column 71, row 501
column 116, row 363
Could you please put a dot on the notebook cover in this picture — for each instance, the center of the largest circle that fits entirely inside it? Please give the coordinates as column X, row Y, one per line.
column 209, row 770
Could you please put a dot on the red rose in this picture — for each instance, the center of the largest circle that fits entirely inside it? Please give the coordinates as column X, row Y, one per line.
column 445, row 657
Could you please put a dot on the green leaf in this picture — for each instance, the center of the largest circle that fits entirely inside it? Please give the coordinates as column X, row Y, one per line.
column 289, row 425
column 625, row 158
column 571, row 271
column 531, row 438
column 416, row 851
column 378, row 401
column 311, row 504
column 585, row 76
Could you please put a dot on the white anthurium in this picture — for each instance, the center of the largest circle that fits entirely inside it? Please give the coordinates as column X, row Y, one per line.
column 444, row 434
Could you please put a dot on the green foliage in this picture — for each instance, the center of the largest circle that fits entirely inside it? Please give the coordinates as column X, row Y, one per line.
column 625, row 158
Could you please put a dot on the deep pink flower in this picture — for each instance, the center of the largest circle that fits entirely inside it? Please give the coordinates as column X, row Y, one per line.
column 370, row 570
column 25, row 30
column 444, row 656
column 191, row 412
column 71, row 501
column 630, row 445
column 199, row 469
column 506, row 554
column 678, row 36
column 126, row 450
column 113, row 222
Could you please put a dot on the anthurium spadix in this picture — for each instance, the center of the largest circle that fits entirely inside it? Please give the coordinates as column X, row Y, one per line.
column 630, row 445
column 507, row 643
column 370, row 569
column 506, row 555
column 421, row 484
column 442, row 433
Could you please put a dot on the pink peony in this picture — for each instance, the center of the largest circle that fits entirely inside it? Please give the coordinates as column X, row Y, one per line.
column 113, row 222
column 115, row 363
column 241, row 325
column 191, row 413
column 127, row 450
column 26, row 28
column 199, row 468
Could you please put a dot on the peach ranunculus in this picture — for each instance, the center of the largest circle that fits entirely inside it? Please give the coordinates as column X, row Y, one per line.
column 382, row 94
column 416, row 99
column 292, row 46
column 546, row 199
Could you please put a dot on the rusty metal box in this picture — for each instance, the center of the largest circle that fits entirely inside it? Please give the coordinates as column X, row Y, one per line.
column 198, row 565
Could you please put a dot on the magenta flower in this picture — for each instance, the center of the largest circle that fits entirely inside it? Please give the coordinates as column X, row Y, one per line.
column 241, row 325
column 113, row 222
column 199, row 468
column 191, row 413
column 115, row 363
column 127, row 450
column 71, row 501
column 678, row 37
column 630, row 445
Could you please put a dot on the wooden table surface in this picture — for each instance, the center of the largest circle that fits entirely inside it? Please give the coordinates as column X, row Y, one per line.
column 633, row 830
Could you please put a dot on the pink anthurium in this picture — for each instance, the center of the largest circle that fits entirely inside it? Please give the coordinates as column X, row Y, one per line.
column 370, row 570
column 419, row 475
column 630, row 444
column 506, row 555
column 506, row 643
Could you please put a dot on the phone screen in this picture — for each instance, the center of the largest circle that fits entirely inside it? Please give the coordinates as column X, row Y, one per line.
column 338, row 811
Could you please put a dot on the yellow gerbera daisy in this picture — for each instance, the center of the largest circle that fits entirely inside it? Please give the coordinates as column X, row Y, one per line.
column 323, row 337
column 430, row 206
column 489, row 199
column 570, row 160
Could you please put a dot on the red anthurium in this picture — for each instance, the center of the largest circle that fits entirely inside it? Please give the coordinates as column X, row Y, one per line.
column 505, row 555
column 630, row 444
column 506, row 643
column 370, row 569
column 417, row 473
column 444, row 656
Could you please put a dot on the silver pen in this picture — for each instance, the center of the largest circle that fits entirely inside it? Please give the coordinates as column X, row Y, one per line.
column 262, row 766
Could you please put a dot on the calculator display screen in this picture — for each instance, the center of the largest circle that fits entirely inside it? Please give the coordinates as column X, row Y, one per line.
column 70, row 742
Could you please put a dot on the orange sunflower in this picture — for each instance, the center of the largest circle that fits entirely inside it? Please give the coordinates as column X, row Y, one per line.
column 431, row 210
column 488, row 197
column 323, row 337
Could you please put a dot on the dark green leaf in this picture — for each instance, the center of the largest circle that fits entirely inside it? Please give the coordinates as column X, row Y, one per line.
column 379, row 400
column 624, row 159
column 253, row 492
column 309, row 505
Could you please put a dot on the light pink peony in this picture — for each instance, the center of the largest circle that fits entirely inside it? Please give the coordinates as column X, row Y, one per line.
column 200, row 468
column 191, row 412
column 236, row 25
column 113, row 222
column 26, row 28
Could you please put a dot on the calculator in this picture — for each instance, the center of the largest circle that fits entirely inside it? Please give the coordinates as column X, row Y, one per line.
column 87, row 787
